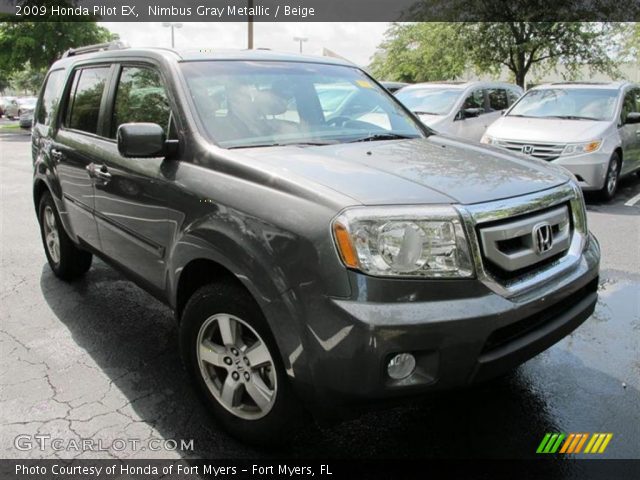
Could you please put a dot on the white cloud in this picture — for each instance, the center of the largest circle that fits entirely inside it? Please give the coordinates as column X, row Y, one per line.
column 355, row 41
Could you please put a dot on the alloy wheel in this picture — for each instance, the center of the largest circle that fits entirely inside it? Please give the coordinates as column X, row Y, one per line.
column 612, row 178
column 236, row 366
column 51, row 235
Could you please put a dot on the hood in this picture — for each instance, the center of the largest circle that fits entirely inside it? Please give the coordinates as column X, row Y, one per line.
column 547, row 130
column 431, row 120
column 437, row 169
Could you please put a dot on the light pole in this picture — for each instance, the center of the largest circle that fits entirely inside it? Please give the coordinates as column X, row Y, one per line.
column 173, row 26
column 301, row 40
column 250, row 26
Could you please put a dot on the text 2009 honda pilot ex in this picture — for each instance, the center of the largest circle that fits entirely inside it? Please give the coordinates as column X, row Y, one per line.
column 318, row 245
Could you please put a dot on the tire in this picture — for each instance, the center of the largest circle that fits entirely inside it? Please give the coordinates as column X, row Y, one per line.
column 610, row 187
column 67, row 261
column 222, row 306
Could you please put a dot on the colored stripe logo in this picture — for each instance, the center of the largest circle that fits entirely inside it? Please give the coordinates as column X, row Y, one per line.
column 573, row 443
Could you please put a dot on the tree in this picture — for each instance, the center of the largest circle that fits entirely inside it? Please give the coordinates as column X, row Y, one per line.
column 28, row 80
column 520, row 46
column 42, row 43
column 419, row 52
column 631, row 43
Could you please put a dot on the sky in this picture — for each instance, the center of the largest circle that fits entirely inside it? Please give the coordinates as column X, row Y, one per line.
column 354, row 41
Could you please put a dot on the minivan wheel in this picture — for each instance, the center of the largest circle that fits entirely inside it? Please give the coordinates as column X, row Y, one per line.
column 230, row 353
column 611, row 181
column 66, row 260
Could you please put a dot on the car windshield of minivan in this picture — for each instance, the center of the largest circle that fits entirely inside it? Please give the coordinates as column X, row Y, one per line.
column 429, row 101
column 567, row 104
column 264, row 103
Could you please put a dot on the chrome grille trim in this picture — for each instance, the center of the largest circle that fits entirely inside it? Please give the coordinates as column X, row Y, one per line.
column 478, row 214
column 543, row 151
column 520, row 231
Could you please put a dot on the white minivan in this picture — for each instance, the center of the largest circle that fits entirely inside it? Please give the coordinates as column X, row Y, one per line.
column 462, row 109
column 591, row 129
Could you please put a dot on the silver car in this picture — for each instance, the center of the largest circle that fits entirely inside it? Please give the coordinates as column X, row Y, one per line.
column 18, row 106
column 591, row 129
column 461, row 109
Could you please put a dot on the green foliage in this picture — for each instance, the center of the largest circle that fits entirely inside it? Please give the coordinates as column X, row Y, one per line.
column 442, row 51
column 28, row 80
column 419, row 52
column 520, row 46
column 42, row 43
column 631, row 42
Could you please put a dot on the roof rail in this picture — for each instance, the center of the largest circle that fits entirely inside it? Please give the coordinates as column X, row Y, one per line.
column 99, row 47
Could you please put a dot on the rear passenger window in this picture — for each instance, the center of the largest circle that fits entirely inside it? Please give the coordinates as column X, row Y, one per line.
column 50, row 97
column 498, row 99
column 140, row 97
column 86, row 95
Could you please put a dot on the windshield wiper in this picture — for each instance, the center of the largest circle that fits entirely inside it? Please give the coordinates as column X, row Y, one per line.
column 570, row 117
column 288, row 144
column 422, row 112
column 382, row 136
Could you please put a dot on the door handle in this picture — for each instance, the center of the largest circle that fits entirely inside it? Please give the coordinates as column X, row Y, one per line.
column 100, row 172
column 56, row 155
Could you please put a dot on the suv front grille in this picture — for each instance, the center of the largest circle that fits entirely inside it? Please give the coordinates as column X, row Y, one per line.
column 543, row 151
column 513, row 247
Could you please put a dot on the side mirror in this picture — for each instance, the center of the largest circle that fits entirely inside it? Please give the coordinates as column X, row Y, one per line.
column 632, row 117
column 468, row 113
column 141, row 140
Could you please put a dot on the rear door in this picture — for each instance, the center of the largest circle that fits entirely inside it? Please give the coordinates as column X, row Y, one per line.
column 133, row 200
column 471, row 127
column 73, row 147
column 497, row 102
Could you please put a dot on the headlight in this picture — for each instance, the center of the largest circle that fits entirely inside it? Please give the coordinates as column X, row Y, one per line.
column 580, row 148
column 488, row 139
column 403, row 242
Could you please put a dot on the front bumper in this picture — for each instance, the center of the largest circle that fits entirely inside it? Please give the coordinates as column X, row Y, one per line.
column 590, row 169
column 460, row 331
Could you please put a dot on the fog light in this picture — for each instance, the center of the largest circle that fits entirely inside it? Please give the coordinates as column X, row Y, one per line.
column 401, row 366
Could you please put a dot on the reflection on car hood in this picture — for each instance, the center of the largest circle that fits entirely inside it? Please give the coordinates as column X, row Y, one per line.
column 431, row 120
column 549, row 130
column 438, row 169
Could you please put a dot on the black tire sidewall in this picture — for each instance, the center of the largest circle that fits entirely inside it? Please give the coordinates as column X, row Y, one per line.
column 74, row 262
column 276, row 426
column 604, row 193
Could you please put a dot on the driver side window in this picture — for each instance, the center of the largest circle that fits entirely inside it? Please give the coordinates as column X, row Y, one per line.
column 475, row 101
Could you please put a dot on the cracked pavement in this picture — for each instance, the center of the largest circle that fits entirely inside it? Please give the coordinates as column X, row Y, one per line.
column 98, row 359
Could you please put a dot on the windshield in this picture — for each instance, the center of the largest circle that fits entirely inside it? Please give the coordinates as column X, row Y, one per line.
column 263, row 103
column 28, row 102
column 567, row 103
column 435, row 101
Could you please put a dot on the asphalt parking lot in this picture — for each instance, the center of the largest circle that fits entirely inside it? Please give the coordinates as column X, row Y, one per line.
column 99, row 359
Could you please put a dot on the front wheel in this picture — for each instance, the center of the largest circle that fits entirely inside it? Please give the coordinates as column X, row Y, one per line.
column 608, row 191
column 66, row 260
column 230, row 353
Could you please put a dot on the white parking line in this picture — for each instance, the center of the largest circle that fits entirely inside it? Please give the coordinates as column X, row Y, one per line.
column 633, row 201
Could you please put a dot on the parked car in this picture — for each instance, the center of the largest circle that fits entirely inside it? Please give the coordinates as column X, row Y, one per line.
column 591, row 129
column 462, row 109
column 26, row 115
column 314, row 256
column 4, row 102
column 393, row 87
column 17, row 106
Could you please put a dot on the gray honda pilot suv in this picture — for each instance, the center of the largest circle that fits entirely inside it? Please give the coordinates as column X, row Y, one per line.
column 319, row 246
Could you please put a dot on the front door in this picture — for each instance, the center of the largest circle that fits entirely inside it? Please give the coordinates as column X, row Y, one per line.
column 135, row 220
